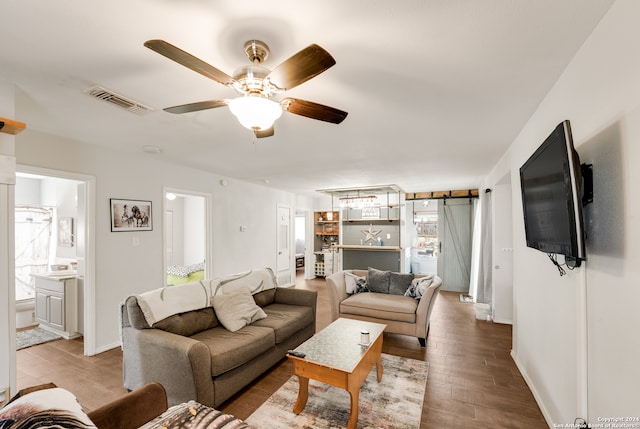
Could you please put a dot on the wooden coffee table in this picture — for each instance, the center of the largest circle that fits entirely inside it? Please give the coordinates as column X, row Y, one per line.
column 335, row 356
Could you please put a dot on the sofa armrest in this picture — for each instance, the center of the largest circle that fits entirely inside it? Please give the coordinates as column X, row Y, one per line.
column 181, row 364
column 337, row 292
column 425, row 306
column 25, row 391
column 131, row 410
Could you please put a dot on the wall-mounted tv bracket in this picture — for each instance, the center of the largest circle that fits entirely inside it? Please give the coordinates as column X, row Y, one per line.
column 587, row 183
column 587, row 198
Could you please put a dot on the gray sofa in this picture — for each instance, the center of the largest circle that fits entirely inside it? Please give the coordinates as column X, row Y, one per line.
column 402, row 314
column 194, row 356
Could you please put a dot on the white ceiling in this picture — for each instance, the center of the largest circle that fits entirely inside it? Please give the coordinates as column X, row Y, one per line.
column 435, row 89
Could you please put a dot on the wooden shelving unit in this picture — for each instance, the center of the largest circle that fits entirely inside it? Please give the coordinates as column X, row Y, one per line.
column 327, row 237
column 10, row 126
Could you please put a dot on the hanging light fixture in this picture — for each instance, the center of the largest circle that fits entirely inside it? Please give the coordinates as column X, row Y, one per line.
column 254, row 112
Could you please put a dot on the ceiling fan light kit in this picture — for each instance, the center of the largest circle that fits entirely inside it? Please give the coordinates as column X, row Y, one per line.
column 256, row 84
column 254, row 112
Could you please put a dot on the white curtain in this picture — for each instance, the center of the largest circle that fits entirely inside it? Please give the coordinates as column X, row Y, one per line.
column 481, row 261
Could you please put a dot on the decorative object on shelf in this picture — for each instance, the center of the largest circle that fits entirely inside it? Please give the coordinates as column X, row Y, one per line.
column 370, row 234
column 371, row 213
column 65, row 232
column 131, row 215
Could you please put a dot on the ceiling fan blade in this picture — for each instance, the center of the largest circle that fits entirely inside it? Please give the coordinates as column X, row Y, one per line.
column 194, row 107
column 264, row 133
column 313, row 110
column 186, row 59
column 308, row 63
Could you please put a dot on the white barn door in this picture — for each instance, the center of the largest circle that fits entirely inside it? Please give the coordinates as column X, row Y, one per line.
column 455, row 223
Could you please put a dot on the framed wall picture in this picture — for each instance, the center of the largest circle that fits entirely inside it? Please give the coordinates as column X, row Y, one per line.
column 131, row 215
column 65, row 232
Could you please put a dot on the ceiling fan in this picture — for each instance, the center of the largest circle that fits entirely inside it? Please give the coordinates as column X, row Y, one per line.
column 257, row 85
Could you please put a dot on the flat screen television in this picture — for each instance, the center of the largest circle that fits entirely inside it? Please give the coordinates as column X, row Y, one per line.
column 551, row 183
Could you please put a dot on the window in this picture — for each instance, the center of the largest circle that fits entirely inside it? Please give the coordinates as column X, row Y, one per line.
column 32, row 239
column 426, row 221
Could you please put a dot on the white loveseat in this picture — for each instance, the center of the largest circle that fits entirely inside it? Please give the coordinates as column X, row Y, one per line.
column 402, row 314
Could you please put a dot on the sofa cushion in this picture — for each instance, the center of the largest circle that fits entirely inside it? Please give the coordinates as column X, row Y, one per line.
column 236, row 310
column 381, row 306
column 230, row 350
column 399, row 283
column 189, row 323
column 286, row 320
column 378, row 281
column 265, row 297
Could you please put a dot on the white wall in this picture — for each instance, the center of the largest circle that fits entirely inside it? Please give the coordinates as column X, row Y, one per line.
column 575, row 337
column 124, row 268
column 7, row 282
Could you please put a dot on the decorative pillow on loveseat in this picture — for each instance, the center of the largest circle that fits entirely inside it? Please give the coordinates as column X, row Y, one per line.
column 419, row 286
column 355, row 284
column 378, row 281
column 399, row 283
column 237, row 310
column 54, row 408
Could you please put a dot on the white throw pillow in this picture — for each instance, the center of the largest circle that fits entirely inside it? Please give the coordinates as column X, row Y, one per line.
column 55, row 407
column 419, row 286
column 237, row 310
column 351, row 282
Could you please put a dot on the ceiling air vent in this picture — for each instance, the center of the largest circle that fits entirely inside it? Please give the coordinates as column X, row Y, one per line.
column 118, row 100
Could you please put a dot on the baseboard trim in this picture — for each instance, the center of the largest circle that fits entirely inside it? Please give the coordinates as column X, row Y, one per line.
column 536, row 396
column 504, row 321
column 107, row 347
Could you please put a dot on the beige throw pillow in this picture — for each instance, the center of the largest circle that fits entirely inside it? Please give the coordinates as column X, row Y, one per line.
column 237, row 310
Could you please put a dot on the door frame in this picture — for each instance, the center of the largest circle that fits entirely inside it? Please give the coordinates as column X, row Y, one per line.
column 309, row 272
column 90, row 246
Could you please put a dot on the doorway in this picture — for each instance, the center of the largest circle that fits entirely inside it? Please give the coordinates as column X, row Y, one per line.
column 455, row 226
column 187, row 241
column 502, row 291
column 283, row 241
column 72, row 199
column 422, row 234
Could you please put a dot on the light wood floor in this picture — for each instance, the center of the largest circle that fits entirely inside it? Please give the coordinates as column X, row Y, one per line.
column 472, row 381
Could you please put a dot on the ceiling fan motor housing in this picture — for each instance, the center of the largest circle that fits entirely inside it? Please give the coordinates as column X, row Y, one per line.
column 251, row 80
column 256, row 50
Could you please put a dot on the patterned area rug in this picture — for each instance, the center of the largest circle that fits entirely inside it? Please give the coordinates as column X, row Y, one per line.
column 33, row 337
column 395, row 402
